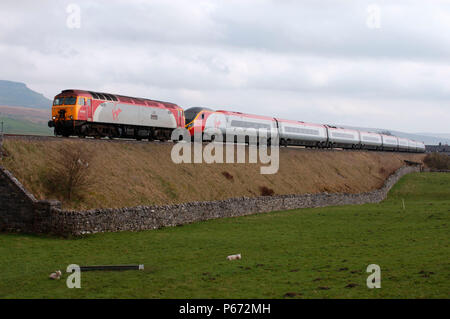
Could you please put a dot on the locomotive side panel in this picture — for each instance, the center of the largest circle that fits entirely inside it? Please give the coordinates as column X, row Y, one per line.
column 130, row 114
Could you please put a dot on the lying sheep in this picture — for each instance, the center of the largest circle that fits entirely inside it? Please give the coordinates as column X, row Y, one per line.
column 56, row 275
column 234, row 257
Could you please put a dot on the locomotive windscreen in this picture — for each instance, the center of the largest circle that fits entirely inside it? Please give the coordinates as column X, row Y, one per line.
column 191, row 113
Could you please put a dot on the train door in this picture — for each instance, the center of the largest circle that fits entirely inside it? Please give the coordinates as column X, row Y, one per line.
column 89, row 109
column 180, row 122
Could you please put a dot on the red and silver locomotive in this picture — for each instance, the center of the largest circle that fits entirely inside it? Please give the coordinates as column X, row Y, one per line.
column 86, row 113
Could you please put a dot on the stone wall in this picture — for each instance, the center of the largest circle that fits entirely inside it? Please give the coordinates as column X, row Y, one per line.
column 19, row 211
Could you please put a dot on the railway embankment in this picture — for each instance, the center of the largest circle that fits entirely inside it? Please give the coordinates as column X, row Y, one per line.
column 22, row 212
column 123, row 174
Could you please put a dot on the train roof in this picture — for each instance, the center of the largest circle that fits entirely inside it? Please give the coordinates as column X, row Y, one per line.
column 120, row 98
column 253, row 116
column 341, row 128
column 298, row 122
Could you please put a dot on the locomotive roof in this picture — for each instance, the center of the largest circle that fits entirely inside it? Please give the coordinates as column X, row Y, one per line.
column 121, row 98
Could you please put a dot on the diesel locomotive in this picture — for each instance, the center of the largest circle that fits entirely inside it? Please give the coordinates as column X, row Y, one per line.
column 87, row 113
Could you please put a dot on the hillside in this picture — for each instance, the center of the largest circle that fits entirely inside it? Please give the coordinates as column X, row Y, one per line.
column 18, row 94
column 131, row 174
column 15, row 126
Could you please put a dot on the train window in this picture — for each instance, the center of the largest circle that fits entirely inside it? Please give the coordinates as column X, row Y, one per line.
column 101, row 96
column 81, row 101
column 58, row 101
column 370, row 139
column 342, row 135
column 246, row 124
column 94, row 95
column 70, row 100
column 88, row 102
column 300, row 130
column 203, row 116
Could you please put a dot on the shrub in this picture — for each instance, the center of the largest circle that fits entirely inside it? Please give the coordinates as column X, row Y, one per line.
column 265, row 191
column 69, row 170
column 437, row 161
column 228, row 176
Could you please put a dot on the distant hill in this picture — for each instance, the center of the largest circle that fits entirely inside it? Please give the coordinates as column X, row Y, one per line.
column 440, row 135
column 18, row 94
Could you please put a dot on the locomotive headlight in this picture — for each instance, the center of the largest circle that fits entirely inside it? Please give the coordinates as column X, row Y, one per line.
column 71, row 117
column 54, row 117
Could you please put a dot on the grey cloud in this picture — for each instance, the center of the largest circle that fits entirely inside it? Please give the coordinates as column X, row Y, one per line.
column 315, row 61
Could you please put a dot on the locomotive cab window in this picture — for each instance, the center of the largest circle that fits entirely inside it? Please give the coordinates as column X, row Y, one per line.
column 191, row 114
column 58, row 101
column 70, row 100
column 81, row 101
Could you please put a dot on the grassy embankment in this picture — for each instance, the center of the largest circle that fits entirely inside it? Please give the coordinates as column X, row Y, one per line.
column 309, row 253
column 126, row 174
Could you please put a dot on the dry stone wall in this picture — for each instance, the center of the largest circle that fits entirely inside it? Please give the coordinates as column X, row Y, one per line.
column 20, row 211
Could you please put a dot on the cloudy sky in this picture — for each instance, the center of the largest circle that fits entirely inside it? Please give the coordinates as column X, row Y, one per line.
column 365, row 63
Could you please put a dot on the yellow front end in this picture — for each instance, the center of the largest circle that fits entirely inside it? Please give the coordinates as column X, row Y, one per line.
column 65, row 119
column 65, row 109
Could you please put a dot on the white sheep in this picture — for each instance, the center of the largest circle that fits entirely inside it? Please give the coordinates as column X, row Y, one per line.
column 56, row 275
column 234, row 257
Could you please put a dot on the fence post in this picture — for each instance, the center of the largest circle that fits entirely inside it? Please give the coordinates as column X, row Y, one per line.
column 1, row 141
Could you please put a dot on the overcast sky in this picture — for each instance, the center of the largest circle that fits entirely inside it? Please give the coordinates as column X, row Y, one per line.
column 331, row 61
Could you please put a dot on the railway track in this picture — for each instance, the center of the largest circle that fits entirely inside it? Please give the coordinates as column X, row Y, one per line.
column 131, row 141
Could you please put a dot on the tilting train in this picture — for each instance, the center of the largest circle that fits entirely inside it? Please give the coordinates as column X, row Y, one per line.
column 293, row 132
column 87, row 113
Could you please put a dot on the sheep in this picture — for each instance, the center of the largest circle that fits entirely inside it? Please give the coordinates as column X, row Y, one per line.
column 56, row 275
column 234, row 257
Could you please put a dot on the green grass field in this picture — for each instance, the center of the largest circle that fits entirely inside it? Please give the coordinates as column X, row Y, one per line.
column 16, row 126
column 311, row 253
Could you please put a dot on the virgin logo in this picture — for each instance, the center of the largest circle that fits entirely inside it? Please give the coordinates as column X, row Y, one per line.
column 115, row 113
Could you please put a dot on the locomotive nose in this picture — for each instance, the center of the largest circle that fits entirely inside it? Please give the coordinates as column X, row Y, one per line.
column 62, row 113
